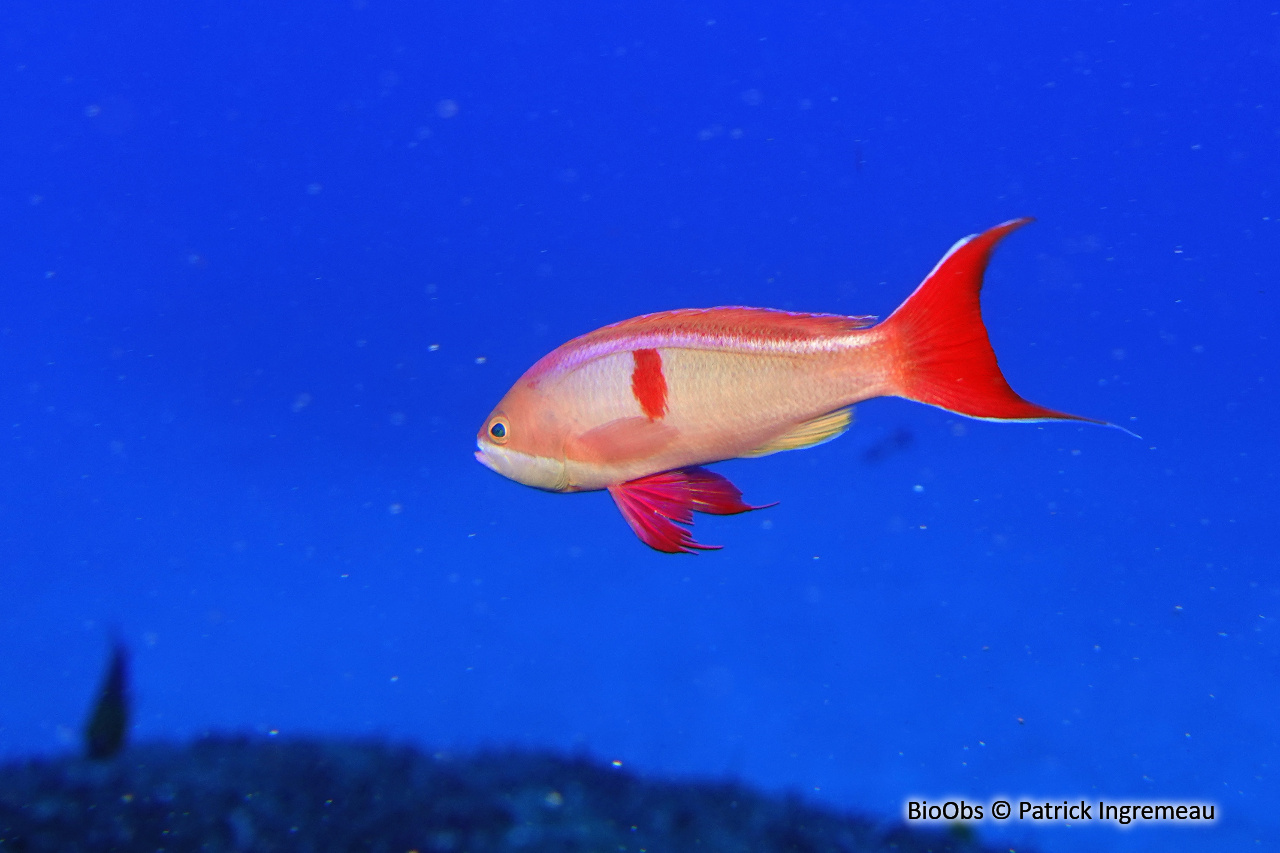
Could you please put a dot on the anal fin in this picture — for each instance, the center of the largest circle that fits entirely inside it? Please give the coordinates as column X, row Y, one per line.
column 659, row 507
column 808, row 434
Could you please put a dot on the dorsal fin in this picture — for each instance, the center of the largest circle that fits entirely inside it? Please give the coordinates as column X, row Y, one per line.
column 810, row 433
column 736, row 322
column 725, row 329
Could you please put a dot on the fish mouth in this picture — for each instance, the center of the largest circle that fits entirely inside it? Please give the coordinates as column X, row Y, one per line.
column 483, row 458
column 536, row 471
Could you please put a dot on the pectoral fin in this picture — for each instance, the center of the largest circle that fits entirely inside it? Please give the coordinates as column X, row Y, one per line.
column 656, row 506
column 808, row 434
column 622, row 440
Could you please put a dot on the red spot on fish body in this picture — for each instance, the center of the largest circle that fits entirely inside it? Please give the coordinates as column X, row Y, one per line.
column 648, row 384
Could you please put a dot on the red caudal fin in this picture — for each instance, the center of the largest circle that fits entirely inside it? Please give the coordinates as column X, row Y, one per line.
column 944, row 355
column 657, row 506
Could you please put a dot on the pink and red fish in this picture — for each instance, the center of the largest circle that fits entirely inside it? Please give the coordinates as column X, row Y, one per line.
column 639, row 406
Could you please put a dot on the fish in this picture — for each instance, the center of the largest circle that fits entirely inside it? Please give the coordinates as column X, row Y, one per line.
column 107, row 729
column 639, row 407
column 900, row 439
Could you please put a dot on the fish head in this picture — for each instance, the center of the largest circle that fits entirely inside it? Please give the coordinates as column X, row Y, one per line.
column 523, row 439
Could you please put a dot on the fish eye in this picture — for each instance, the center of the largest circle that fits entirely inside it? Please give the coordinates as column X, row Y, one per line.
column 498, row 430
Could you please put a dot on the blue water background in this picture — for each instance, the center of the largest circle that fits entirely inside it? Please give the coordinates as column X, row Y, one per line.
column 266, row 268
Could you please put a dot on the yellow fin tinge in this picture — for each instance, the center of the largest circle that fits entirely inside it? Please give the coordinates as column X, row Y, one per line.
column 808, row 434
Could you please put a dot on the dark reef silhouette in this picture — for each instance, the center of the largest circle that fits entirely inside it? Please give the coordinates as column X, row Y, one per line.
column 259, row 794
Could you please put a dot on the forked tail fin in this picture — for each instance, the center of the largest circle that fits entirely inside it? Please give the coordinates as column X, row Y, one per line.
column 945, row 358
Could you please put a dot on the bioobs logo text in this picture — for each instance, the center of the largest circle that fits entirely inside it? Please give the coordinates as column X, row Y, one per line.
column 948, row 810
column 1121, row 813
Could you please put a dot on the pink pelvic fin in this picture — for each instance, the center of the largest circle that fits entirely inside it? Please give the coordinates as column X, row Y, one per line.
column 656, row 506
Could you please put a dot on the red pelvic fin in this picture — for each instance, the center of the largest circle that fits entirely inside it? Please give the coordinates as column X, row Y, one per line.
column 657, row 506
column 946, row 356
